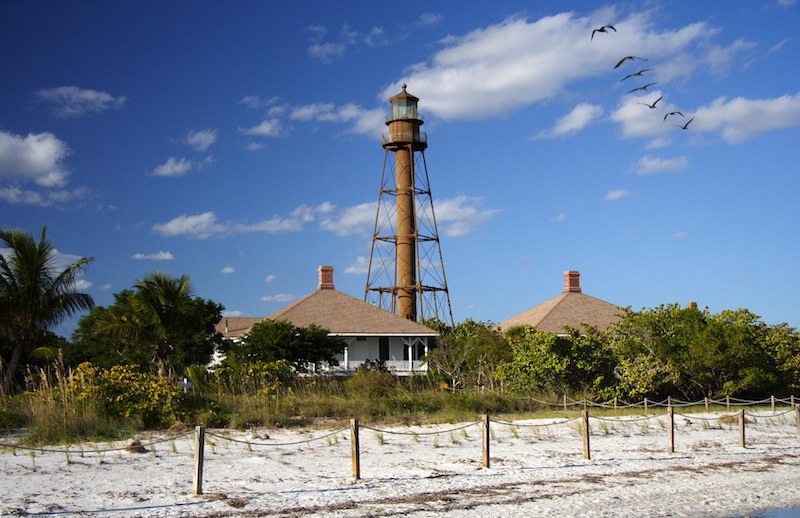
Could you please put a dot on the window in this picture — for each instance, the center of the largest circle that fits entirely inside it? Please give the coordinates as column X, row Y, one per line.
column 404, row 110
column 383, row 349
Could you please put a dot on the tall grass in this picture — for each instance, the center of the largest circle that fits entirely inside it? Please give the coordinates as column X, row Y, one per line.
column 55, row 410
column 66, row 406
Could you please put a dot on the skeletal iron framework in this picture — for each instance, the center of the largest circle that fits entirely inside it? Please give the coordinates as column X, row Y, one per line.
column 406, row 271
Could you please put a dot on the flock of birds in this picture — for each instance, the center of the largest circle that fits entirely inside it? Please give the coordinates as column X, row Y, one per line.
column 605, row 29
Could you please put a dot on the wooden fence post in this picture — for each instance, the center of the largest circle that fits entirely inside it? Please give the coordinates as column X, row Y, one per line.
column 199, row 446
column 565, row 402
column 741, row 428
column 706, row 400
column 792, row 401
column 773, row 403
column 615, row 403
column 587, row 454
column 670, row 430
column 645, row 406
column 728, row 402
column 354, row 450
column 486, row 436
column 797, row 420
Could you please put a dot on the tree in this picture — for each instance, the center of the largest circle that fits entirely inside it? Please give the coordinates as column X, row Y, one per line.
column 35, row 294
column 669, row 349
column 161, row 317
column 272, row 341
column 468, row 354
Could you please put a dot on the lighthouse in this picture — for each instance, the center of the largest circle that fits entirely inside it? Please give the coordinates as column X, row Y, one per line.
column 406, row 271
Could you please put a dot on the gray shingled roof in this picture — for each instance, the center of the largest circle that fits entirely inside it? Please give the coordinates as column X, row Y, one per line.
column 572, row 308
column 341, row 314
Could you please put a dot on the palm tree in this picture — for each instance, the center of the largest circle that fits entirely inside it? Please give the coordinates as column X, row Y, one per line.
column 34, row 292
column 158, row 308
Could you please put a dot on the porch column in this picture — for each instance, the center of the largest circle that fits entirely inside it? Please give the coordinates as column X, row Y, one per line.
column 410, row 346
column 348, row 341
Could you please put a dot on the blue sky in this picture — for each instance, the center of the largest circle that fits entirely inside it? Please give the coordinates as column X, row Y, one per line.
column 239, row 143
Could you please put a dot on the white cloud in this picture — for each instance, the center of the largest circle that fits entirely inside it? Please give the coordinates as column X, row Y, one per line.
column 310, row 111
column 269, row 278
column 650, row 165
column 82, row 285
column 203, row 226
column 227, row 270
column 268, row 128
column 496, row 69
column 376, row 37
column 173, row 167
column 720, row 58
column 358, row 267
column 359, row 219
column 15, row 195
column 200, row 226
column 460, row 216
column 233, row 314
column 71, row 101
column 741, row 119
column 640, row 121
column 615, row 195
column 362, row 121
column 35, row 158
column 456, row 217
column 158, row 256
column 201, row 140
column 253, row 102
column 281, row 297
column 327, row 52
column 580, row 117
column 560, row 217
column 427, row 19
column 680, row 235
column 253, row 146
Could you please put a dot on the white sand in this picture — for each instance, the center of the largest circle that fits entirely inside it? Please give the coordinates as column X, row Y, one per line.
column 537, row 471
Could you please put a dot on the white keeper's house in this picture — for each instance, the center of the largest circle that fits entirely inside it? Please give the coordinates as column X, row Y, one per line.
column 371, row 333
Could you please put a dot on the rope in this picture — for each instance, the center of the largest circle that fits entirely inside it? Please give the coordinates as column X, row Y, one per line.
column 420, row 433
column 699, row 418
column 249, row 443
column 632, row 420
column 107, row 450
column 520, row 425
column 769, row 415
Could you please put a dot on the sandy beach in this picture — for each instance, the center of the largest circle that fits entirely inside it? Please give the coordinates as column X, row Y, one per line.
column 537, row 468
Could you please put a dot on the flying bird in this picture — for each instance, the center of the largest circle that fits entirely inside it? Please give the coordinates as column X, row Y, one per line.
column 632, row 58
column 684, row 126
column 643, row 87
column 673, row 113
column 654, row 104
column 639, row 73
column 603, row 29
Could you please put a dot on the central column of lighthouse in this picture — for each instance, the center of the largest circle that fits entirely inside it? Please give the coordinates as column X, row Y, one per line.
column 406, row 235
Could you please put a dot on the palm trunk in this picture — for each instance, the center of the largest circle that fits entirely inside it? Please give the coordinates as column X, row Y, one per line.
column 13, row 363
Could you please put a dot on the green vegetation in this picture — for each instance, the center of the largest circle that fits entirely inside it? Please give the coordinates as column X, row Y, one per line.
column 120, row 370
column 34, row 295
column 270, row 341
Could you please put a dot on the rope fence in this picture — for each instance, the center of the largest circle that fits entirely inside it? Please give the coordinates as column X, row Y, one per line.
column 200, row 432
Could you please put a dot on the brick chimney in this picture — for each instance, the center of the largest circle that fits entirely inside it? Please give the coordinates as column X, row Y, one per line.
column 571, row 282
column 325, row 278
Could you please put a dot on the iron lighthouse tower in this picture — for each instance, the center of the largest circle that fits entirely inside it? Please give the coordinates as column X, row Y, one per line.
column 406, row 271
